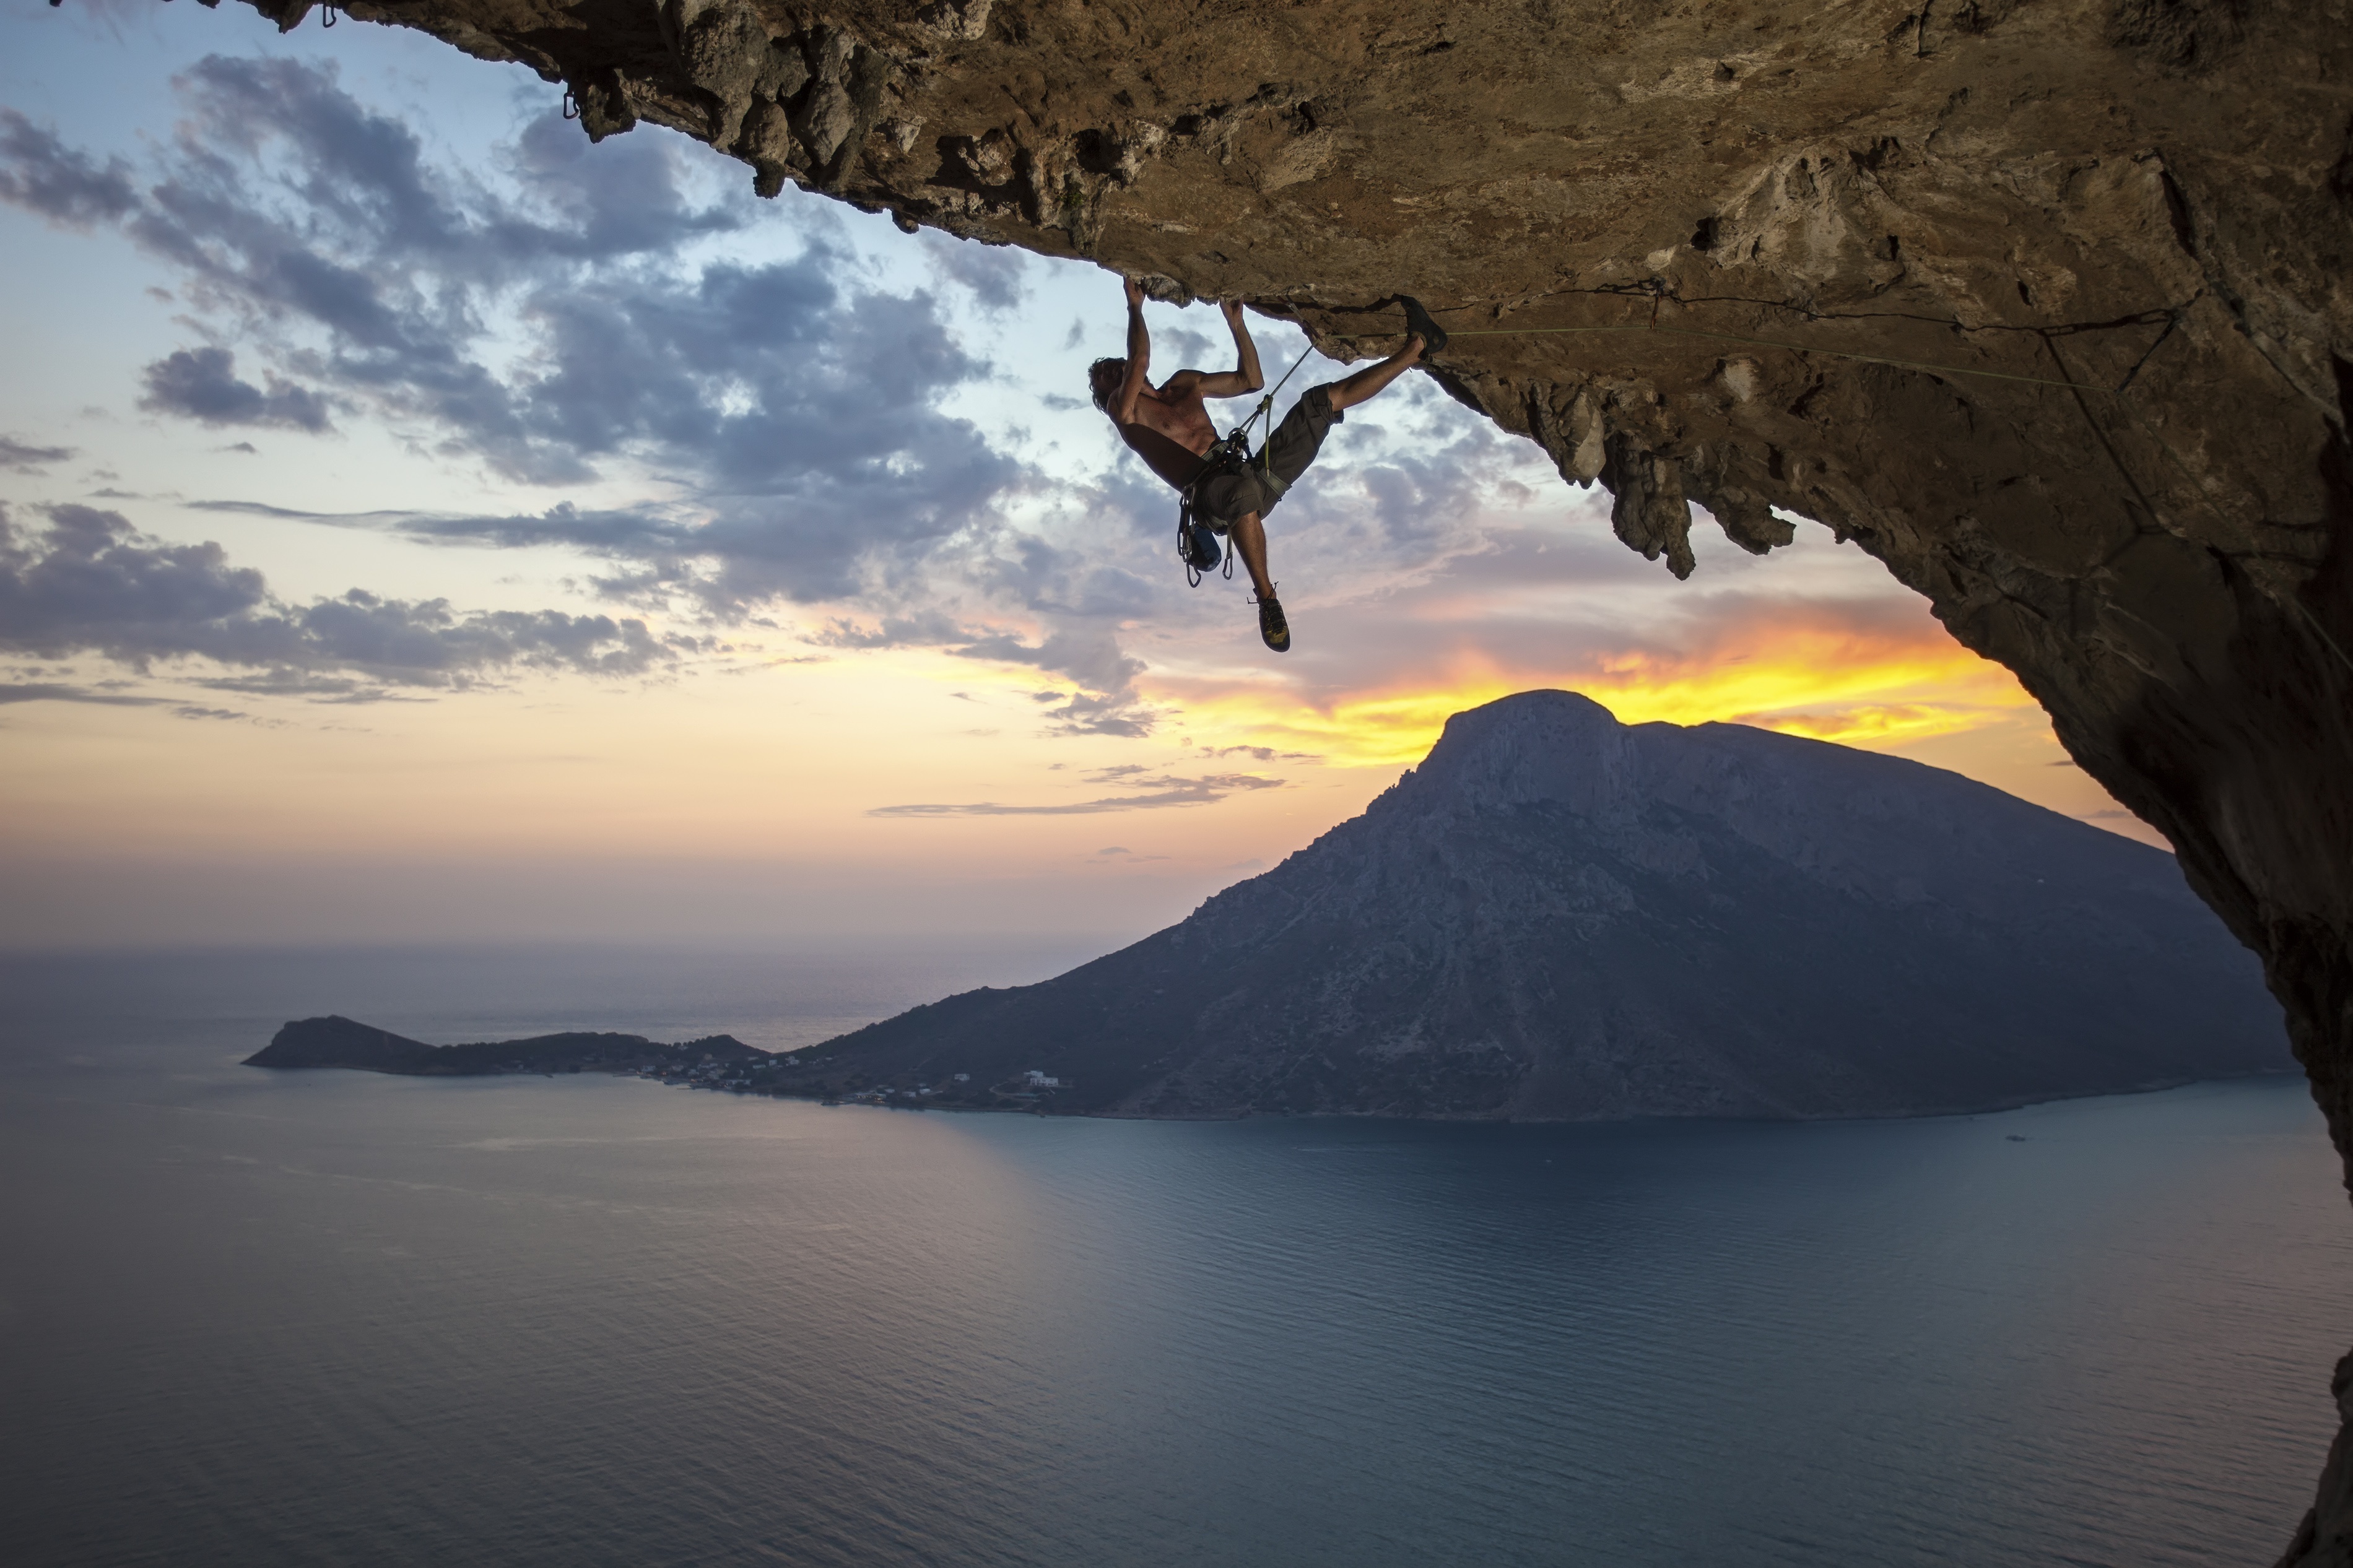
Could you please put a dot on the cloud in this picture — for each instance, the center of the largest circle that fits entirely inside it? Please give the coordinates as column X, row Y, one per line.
column 1118, row 856
column 1088, row 655
column 22, row 458
column 927, row 629
column 994, row 273
column 41, row 175
column 53, row 691
column 91, row 584
column 665, row 548
column 1106, row 703
column 1163, row 792
column 202, row 385
column 190, row 710
column 550, row 329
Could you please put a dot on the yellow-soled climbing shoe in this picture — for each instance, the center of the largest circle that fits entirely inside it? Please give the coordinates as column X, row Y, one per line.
column 1271, row 625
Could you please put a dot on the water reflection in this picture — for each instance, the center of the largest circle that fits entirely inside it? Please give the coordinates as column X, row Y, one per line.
column 256, row 1319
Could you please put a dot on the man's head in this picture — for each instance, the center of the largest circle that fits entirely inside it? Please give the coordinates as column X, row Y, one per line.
column 1103, row 378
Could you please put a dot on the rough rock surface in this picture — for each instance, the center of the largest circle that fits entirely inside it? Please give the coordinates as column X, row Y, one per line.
column 2046, row 303
column 1559, row 917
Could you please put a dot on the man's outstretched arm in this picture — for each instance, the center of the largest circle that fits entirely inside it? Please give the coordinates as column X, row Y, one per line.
column 1245, row 376
column 1139, row 357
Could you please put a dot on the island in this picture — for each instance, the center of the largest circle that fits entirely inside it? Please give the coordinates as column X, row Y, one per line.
column 338, row 1042
column 715, row 1062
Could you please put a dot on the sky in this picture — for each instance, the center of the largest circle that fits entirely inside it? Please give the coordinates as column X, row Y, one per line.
column 419, row 524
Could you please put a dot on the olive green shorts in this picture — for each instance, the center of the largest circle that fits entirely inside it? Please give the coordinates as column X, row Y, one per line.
column 1225, row 498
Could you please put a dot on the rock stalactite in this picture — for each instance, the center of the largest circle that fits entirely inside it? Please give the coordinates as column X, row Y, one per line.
column 2047, row 304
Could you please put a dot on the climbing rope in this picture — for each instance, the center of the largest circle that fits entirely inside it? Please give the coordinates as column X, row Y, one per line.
column 1265, row 411
column 1652, row 326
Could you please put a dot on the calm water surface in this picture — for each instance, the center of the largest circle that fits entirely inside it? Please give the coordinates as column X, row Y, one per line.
column 335, row 1318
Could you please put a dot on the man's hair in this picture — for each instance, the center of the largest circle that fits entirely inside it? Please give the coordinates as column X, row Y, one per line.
column 1095, row 379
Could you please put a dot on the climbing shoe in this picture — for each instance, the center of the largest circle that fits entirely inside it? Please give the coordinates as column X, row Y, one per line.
column 1418, row 325
column 1271, row 626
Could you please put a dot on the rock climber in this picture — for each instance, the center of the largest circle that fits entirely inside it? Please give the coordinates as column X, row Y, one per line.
column 1171, row 431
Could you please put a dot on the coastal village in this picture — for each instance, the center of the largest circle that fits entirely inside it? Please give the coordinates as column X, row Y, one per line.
column 799, row 1075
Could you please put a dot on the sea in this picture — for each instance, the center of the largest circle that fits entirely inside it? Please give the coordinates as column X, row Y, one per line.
column 335, row 1318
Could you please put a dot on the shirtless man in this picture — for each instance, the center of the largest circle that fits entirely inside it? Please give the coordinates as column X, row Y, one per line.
column 1170, row 431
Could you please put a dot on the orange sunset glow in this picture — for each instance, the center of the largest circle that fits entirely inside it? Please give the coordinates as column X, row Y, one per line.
column 1805, row 676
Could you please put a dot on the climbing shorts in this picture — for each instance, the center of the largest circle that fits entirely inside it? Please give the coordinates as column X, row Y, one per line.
column 1226, row 498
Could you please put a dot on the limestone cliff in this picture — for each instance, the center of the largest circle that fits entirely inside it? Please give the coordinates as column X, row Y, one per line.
column 2046, row 303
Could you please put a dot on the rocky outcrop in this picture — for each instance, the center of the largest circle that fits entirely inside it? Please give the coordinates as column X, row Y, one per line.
column 1559, row 917
column 2048, row 304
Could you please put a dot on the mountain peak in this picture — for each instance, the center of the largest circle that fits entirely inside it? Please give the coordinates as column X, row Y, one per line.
column 1522, row 750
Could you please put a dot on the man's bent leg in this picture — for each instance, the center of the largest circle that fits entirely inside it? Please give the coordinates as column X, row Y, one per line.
column 1373, row 377
column 1248, row 536
column 1295, row 443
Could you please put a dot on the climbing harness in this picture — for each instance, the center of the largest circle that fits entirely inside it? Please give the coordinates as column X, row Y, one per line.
column 1197, row 535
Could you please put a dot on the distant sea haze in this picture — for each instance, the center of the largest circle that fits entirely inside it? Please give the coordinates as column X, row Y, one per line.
column 1559, row 917
column 260, row 1318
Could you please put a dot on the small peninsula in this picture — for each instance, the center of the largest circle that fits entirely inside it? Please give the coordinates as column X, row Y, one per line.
column 338, row 1042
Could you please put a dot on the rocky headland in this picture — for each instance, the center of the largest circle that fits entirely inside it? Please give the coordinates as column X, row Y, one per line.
column 334, row 1041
